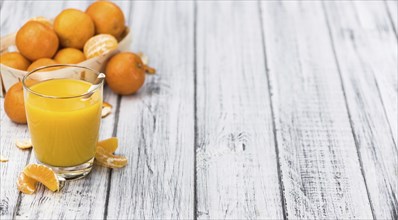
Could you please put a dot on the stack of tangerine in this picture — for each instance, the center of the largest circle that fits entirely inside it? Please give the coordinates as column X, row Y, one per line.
column 74, row 37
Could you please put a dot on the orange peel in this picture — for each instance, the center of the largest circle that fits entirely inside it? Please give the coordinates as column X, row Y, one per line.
column 3, row 158
column 106, row 109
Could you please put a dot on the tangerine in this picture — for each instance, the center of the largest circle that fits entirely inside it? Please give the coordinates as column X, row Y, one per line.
column 14, row 105
column 40, row 63
column 125, row 73
column 69, row 56
column 73, row 28
column 108, row 18
column 36, row 40
column 14, row 60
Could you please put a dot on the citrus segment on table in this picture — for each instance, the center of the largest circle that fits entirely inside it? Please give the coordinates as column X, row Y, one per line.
column 24, row 144
column 3, row 158
column 109, row 144
column 107, row 159
column 26, row 184
column 106, row 109
column 42, row 174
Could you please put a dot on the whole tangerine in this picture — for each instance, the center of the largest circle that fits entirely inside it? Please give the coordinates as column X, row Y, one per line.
column 14, row 60
column 69, row 56
column 73, row 28
column 36, row 40
column 125, row 73
column 40, row 63
column 14, row 105
column 108, row 18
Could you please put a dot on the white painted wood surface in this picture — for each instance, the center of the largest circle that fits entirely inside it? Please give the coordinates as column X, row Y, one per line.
column 364, row 51
column 237, row 174
column 156, row 126
column 321, row 175
column 260, row 110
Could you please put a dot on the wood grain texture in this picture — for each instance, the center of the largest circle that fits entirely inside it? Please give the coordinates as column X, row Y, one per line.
column 392, row 11
column 364, row 50
column 156, row 126
column 9, row 171
column 237, row 176
column 382, row 55
column 321, row 174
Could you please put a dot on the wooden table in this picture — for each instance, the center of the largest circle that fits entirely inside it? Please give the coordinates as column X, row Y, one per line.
column 259, row 110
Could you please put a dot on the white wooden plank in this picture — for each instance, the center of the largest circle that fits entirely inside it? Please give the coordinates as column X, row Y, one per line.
column 363, row 52
column 382, row 55
column 392, row 10
column 237, row 176
column 85, row 198
column 156, row 125
column 17, row 161
column 321, row 173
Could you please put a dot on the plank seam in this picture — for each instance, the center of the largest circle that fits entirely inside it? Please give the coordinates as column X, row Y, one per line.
column 347, row 107
column 281, row 187
column 114, row 133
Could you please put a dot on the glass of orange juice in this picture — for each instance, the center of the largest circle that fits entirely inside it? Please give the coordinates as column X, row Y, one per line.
column 63, row 106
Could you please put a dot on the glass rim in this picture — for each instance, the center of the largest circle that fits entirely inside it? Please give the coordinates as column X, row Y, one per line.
column 88, row 93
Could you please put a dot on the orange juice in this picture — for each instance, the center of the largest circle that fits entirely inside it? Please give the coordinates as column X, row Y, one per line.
column 64, row 130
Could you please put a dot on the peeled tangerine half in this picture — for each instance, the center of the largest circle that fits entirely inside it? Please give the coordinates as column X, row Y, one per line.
column 109, row 144
column 34, row 173
column 105, row 158
column 26, row 184
column 99, row 44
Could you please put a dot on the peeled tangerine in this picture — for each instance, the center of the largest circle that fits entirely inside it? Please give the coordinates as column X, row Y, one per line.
column 34, row 173
column 104, row 154
column 99, row 44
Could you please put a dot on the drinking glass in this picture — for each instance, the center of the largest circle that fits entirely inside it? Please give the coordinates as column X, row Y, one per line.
column 63, row 107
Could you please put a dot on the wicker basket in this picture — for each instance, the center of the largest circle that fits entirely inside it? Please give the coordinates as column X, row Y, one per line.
column 9, row 76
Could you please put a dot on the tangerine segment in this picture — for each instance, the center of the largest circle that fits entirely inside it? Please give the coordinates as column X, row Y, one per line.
column 109, row 144
column 26, row 184
column 42, row 174
column 107, row 159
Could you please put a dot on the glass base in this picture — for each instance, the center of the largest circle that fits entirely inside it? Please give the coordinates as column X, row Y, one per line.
column 72, row 173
